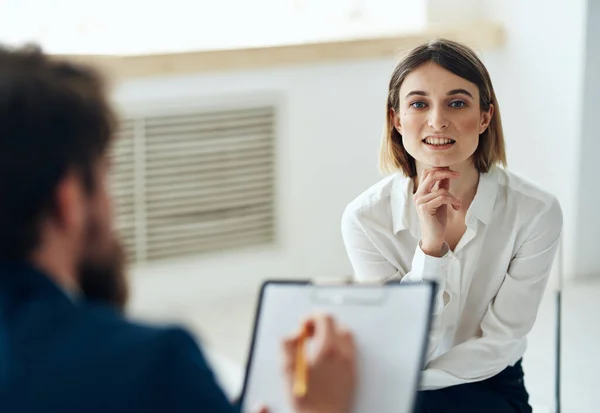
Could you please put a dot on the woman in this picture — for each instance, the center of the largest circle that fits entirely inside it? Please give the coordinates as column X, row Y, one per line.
column 450, row 213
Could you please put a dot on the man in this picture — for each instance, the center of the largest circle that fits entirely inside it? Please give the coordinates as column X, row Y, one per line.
column 65, row 345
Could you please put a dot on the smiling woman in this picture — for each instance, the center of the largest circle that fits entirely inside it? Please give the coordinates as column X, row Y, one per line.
column 422, row 103
column 425, row 115
column 450, row 213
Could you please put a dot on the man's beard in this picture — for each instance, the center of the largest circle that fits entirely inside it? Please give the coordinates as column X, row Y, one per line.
column 102, row 270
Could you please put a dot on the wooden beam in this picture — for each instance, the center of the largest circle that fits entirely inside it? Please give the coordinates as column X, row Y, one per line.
column 480, row 35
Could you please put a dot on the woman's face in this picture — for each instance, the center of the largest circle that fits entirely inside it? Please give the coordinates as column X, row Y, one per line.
column 439, row 117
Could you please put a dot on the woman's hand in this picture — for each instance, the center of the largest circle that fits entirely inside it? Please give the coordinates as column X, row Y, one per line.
column 432, row 199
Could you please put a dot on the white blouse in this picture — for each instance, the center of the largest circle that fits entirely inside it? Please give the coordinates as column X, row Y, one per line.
column 490, row 286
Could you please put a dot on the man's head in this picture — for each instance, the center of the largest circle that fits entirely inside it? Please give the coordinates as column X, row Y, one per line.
column 56, row 128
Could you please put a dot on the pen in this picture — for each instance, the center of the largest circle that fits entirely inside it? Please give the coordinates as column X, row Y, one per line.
column 300, row 372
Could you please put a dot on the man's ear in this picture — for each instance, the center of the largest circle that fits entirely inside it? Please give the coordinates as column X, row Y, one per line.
column 396, row 121
column 486, row 118
column 70, row 203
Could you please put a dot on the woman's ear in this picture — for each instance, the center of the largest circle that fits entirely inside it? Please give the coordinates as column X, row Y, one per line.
column 396, row 121
column 486, row 118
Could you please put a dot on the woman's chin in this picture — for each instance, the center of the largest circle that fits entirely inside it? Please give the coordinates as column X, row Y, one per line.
column 442, row 160
column 443, row 163
column 436, row 161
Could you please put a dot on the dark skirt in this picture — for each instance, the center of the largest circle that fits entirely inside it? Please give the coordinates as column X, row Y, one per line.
column 503, row 393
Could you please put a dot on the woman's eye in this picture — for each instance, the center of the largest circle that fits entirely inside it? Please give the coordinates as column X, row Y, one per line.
column 418, row 105
column 457, row 104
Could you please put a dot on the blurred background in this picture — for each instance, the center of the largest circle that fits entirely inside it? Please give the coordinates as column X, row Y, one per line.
column 249, row 125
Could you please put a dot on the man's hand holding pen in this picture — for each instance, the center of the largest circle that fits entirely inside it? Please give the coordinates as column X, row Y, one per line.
column 324, row 381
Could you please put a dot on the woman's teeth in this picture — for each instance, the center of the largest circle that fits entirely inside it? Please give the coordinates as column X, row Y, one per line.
column 438, row 141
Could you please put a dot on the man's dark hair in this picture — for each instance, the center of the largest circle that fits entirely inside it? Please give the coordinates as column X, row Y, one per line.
column 54, row 118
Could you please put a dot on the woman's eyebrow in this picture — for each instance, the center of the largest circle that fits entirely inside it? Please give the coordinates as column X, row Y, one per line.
column 416, row 93
column 460, row 92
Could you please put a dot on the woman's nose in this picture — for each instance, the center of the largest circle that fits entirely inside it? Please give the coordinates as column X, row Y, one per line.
column 437, row 119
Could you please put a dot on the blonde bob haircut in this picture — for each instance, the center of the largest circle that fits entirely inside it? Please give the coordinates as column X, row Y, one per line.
column 463, row 62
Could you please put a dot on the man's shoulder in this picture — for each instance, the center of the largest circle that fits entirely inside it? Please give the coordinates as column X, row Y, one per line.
column 135, row 337
column 100, row 355
column 166, row 362
column 175, row 374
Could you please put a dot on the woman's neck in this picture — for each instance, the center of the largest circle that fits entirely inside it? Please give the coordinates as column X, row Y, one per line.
column 464, row 187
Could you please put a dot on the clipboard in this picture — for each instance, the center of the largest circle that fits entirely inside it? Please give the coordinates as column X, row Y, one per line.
column 390, row 323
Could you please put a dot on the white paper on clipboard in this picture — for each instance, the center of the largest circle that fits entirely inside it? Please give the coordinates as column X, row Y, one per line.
column 390, row 323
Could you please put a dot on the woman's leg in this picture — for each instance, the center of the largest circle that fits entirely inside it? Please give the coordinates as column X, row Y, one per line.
column 510, row 383
column 503, row 393
column 465, row 398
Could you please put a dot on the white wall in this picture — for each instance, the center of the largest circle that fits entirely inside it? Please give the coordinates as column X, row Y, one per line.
column 330, row 126
column 454, row 11
column 587, row 259
column 331, row 121
column 538, row 77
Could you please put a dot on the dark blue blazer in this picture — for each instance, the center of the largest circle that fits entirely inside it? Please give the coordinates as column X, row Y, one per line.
column 59, row 354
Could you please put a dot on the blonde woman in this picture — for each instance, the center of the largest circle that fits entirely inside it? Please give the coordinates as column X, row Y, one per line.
column 449, row 212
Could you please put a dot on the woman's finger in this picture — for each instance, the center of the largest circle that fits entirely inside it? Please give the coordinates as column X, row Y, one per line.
column 426, row 186
column 423, row 199
column 429, row 171
column 432, row 206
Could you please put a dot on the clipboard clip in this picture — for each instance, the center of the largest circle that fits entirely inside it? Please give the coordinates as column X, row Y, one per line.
column 346, row 280
column 343, row 295
column 349, row 280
